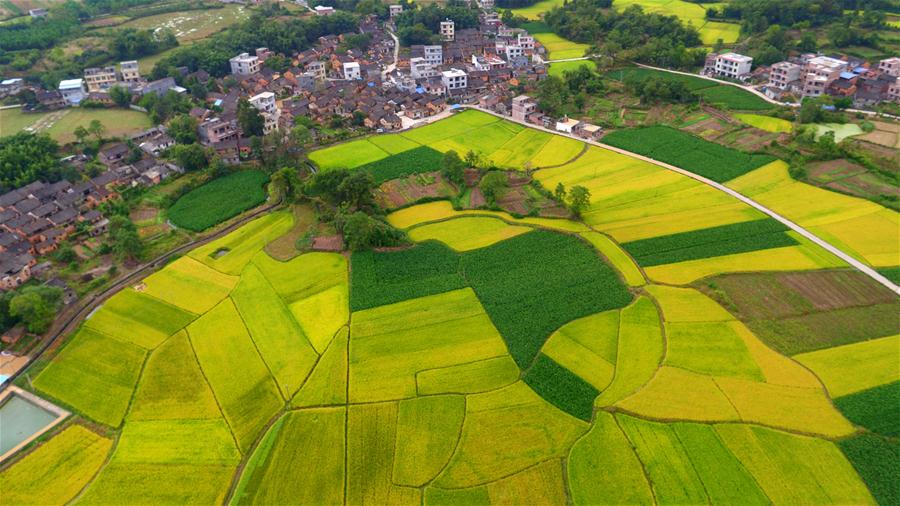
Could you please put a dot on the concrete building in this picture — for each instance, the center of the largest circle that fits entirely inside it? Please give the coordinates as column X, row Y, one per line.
column 454, row 79
column 486, row 4
column 733, row 65
column 214, row 131
column 99, row 78
column 566, row 125
column 820, row 71
column 783, row 73
column 526, row 41
column 434, row 55
column 522, row 106
column 38, row 13
column 395, row 10
column 352, row 71
column 321, row 10
column 244, row 64
column 514, row 51
column 72, row 90
column 890, row 66
column 419, row 68
column 448, row 30
column 130, row 71
column 317, row 69
column 265, row 103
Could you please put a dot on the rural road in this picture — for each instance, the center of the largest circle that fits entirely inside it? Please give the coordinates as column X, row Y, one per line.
column 390, row 68
column 865, row 269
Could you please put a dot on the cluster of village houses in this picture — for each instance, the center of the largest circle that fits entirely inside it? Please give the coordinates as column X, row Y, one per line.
column 814, row 75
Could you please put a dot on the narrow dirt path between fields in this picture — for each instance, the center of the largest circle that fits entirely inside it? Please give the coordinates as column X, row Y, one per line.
column 865, row 269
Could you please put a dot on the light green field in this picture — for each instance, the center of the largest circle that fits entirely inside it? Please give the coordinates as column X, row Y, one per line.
column 60, row 125
column 639, row 352
column 587, row 347
column 238, row 376
column 95, row 374
column 177, row 442
column 231, row 253
column 278, row 337
column 767, row 123
column 535, row 11
column 348, row 155
column 464, row 234
column 159, row 484
column 190, row 285
column 301, row 460
column 57, row 470
column 470, row 378
column 192, row 25
column 390, row 344
column 427, row 431
column 327, row 384
column 138, row 318
column 855, row 367
column 172, row 385
column 841, row 131
column 711, row 348
column 617, row 257
column 13, row 120
column 688, row 12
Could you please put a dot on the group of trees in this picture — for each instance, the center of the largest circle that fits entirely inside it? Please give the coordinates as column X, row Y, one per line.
column 557, row 96
column 27, row 157
column 130, row 43
column 757, row 15
column 628, row 35
column 577, row 198
column 34, row 306
column 655, row 89
column 422, row 26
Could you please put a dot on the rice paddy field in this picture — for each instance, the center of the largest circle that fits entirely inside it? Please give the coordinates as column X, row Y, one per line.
column 559, row 48
column 672, row 346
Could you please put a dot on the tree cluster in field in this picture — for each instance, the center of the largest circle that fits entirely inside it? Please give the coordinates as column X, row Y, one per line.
column 655, row 89
column 569, row 94
column 34, row 306
column 26, row 157
column 281, row 36
column 422, row 25
column 628, row 35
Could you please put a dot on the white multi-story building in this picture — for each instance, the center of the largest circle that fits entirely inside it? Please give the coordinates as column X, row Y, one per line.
column 821, row 71
column 733, row 65
column 268, row 108
column 99, row 78
column 130, row 71
column 526, row 41
column 783, row 73
column 514, row 51
column 72, row 90
column 321, row 10
column 244, row 64
column 395, row 10
column 419, row 68
column 522, row 106
column 448, row 30
column 434, row 55
column 890, row 66
column 352, row 71
column 454, row 79
column 486, row 4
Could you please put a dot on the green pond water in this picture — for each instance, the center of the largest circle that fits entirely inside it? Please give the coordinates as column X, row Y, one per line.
column 19, row 420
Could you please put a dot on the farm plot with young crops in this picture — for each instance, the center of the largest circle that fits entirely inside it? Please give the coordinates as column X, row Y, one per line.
column 219, row 200
column 491, row 360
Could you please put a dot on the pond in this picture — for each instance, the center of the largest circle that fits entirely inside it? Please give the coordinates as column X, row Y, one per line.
column 20, row 420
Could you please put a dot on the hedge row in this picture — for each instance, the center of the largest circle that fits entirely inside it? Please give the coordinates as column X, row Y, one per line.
column 684, row 150
column 710, row 242
column 414, row 161
column 562, row 388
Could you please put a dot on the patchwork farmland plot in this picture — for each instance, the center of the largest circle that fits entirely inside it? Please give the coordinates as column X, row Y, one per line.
column 673, row 346
column 219, row 200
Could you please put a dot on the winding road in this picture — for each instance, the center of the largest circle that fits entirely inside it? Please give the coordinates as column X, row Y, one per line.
column 865, row 269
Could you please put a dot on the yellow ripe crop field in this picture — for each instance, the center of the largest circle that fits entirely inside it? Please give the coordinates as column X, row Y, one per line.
column 427, row 431
column 639, row 352
column 682, row 395
column 231, row 253
column 464, row 234
column 190, row 285
column 138, row 318
column 617, row 257
column 855, row 367
column 857, row 226
column 469, row 378
column 57, row 470
column 409, row 217
column 587, row 347
column 327, row 383
column 767, row 123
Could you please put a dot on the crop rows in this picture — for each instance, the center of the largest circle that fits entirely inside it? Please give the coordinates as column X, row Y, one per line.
column 875, row 459
column 694, row 154
column 219, row 200
column 877, row 409
column 413, row 161
column 710, row 242
column 561, row 387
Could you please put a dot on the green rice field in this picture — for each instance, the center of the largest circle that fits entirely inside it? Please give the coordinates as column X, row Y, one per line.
column 671, row 346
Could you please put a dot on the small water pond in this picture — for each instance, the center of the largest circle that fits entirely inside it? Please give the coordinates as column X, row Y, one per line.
column 21, row 419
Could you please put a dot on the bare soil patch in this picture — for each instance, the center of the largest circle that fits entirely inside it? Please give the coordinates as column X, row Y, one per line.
column 328, row 243
column 400, row 192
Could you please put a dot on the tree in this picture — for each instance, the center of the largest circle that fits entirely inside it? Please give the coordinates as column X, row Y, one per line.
column 362, row 232
column 453, row 168
column 183, row 129
column 27, row 157
column 285, row 185
column 356, row 189
column 491, row 185
column 96, row 129
column 474, row 159
column 579, row 199
column 120, row 95
column 301, row 135
column 251, row 121
column 36, row 306
column 124, row 238
column 190, row 157
column 560, row 192
column 81, row 133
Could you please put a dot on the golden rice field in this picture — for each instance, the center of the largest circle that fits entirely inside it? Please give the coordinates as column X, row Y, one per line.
column 492, row 360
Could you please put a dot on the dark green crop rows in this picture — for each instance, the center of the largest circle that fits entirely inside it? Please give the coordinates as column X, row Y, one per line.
column 877, row 409
column 876, row 460
column 414, row 161
column 219, row 200
column 534, row 283
column 562, row 388
column 380, row 278
column 710, row 242
column 684, row 150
